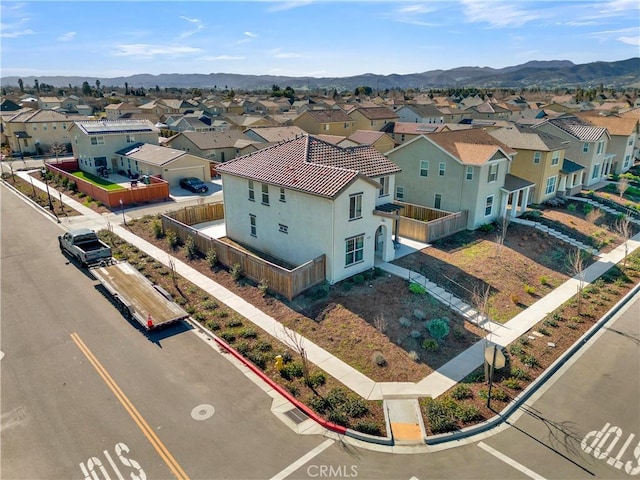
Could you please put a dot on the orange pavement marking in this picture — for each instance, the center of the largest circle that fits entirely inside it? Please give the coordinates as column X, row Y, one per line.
column 406, row 431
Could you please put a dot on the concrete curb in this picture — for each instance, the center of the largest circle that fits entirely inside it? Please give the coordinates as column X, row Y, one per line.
column 533, row 387
column 31, row 201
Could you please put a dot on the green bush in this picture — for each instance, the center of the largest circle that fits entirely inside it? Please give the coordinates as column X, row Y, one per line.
column 367, row 426
column 516, row 349
column 337, row 397
column 292, row 370
column 430, row 345
column 530, row 361
column 356, row 407
column 440, row 416
column 263, row 287
column 213, row 325
column 571, row 207
column 172, row 239
column 212, row 258
column 198, row 316
column 469, row 413
column 438, row 328
column 586, row 208
column 258, row 359
column 234, row 322
column 487, row 227
column 319, row 404
column 512, row 383
column 293, row 389
column 519, row 373
column 316, row 379
column 209, row 305
column 156, row 228
column 417, row 289
column 243, row 348
column 228, row 336
column 236, row 271
column 496, row 394
column 550, row 323
column 461, row 391
column 338, row 417
column 190, row 248
column 248, row 333
column 358, row 279
column 263, row 346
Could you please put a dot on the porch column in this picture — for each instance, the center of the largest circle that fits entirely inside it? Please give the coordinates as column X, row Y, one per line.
column 514, row 203
column 525, row 200
column 503, row 205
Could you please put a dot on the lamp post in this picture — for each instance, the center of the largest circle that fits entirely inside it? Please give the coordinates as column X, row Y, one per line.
column 124, row 220
column 46, row 182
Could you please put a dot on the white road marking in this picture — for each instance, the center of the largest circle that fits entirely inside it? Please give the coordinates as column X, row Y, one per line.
column 302, row 460
column 1, row 355
column 203, row 412
column 509, row 461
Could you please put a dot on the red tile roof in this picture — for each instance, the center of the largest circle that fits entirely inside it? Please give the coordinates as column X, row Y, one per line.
column 310, row 165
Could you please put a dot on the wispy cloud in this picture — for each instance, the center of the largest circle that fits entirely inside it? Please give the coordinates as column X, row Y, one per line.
column 148, row 50
column 248, row 36
column 282, row 6
column 278, row 53
column 15, row 29
column 197, row 26
column 65, row 37
column 497, row 14
column 629, row 36
column 411, row 14
column 223, row 58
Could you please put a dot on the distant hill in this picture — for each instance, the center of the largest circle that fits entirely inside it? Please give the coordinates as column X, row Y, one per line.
column 543, row 74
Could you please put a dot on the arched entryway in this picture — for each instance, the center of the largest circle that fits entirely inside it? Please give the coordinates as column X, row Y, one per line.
column 380, row 239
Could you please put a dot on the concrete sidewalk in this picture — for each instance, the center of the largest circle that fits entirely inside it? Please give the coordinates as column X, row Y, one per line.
column 404, row 394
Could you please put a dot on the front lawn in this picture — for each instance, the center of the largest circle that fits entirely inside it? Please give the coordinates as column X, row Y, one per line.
column 101, row 182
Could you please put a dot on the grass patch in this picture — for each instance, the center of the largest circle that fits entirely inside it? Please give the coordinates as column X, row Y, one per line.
column 100, row 182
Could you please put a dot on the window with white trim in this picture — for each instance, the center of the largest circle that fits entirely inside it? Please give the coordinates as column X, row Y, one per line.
column 424, row 168
column 596, row 171
column 441, row 168
column 536, row 157
column 354, row 250
column 493, row 173
column 585, row 147
column 265, row 194
column 630, row 142
column 252, row 192
column 399, row 193
column 384, row 187
column 437, row 201
column 627, row 161
column 469, row 173
column 355, row 206
column 555, row 158
column 551, row 185
column 488, row 206
column 600, row 147
column 283, row 198
column 97, row 140
column 130, row 138
column 252, row 225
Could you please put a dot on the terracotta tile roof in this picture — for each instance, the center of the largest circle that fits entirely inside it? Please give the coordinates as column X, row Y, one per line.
column 471, row 147
column 332, row 139
column 310, row 165
column 615, row 125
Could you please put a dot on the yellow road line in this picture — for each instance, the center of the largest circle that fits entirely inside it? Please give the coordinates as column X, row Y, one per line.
column 133, row 412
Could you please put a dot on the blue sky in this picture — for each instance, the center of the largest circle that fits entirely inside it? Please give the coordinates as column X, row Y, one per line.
column 315, row 38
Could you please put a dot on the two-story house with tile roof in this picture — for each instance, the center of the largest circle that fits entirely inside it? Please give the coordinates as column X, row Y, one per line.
column 587, row 145
column 117, row 110
column 304, row 197
column 541, row 160
column 325, row 122
column 372, row 118
column 460, row 170
column 94, row 142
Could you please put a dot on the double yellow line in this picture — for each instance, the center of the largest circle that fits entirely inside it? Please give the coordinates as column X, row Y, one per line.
column 135, row 415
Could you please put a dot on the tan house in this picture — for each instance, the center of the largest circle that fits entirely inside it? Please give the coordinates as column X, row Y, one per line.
column 378, row 140
column 372, row 118
column 540, row 160
column 273, row 134
column 214, row 146
column 117, row 110
column 326, row 122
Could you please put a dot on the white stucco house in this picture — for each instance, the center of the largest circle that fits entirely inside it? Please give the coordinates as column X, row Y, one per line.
column 305, row 197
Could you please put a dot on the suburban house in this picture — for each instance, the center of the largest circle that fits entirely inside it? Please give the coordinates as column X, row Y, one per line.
column 273, row 134
column 404, row 131
column 541, row 160
column 167, row 163
column 94, row 142
column 190, row 123
column 424, row 113
column 327, row 122
column 372, row 118
column 117, row 110
column 587, row 145
column 460, row 170
column 215, row 146
column 622, row 144
column 33, row 132
column 303, row 198
column 378, row 140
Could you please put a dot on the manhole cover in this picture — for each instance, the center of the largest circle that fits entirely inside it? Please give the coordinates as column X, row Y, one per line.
column 296, row 415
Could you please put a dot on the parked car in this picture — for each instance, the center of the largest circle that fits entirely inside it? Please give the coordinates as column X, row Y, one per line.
column 194, row 184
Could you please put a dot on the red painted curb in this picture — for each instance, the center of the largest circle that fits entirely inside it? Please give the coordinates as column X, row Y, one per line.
column 282, row 391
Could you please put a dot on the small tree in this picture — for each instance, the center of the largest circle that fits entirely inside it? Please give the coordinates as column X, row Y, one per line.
column 296, row 341
column 576, row 264
column 57, row 148
column 623, row 184
column 623, row 228
column 502, row 234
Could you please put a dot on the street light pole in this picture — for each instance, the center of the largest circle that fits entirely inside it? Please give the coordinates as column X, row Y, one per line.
column 46, row 182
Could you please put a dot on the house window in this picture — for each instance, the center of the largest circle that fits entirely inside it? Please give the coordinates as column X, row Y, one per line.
column 536, row 157
column 346, row 126
column 441, row 168
column 399, row 193
column 630, row 142
column 97, row 140
column 493, row 172
column 596, row 171
column 469, row 174
column 384, row 189
column 551, row 185
column 354, row 250
column 627, row 160
column 282, row 196
column 130, row 139
column 44, row 126
column 355, row 206
column 488, row 206
column 424, row 168
column 252, row 225
column 283, row 228
column 437, row 201
column 265, row 194
column 555, row 158
column 252, row 193
column 585, row 147
column 326, row 127
column 600, row 147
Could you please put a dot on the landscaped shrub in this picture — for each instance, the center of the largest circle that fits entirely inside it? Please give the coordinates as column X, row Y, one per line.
column 530, row 361
column 367, row 426
column 316, row 379
column 228, row 336
column 440, row 416
column 487, row 227
column 263, row 346
column 516, row 349
column 292, row 370
column 430, row 345
column 156, row 228
column 293, row 390
column 212, row 258
column 258, row 359
column 550, row 323
column 461, row 391
column 234, row 322
column 415, row 334
column 356, row 407
column 519, row 373
column 198, row 316
column 419, row 314
column 544, row 331
column 236, row 271
column 319, row 404
column 172, row 239
column 413, row 355
column 248, row 333
column 243, row 348
column 586, row 208
column 190, row 249
column 338, row 417
column 378, row 359
column 358, row 279
column 209, row 305
column 512, row 383
column 417, row 289
column 496, row 394
column 469, row 413
column 263, row 287
column 529, row 289
column 572, row 207
column 438, row 328
column 213, row 325
column 405, row 322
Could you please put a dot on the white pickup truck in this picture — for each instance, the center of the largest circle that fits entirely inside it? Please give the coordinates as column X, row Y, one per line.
column 84, row 245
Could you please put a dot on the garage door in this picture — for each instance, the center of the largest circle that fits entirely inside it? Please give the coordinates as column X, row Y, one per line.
column 173, row 176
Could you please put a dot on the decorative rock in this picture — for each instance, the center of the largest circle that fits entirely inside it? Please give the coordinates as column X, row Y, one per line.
column 551, row 344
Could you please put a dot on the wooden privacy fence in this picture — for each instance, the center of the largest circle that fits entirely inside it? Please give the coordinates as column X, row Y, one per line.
column 437, row 224
column 158, row 189
column 288, row 283
column 206, row 212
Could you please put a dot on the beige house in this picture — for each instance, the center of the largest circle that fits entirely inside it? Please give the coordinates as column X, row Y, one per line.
column 32, row 132
column 273, row 134
column 457, row 171
column 326, row 122
column 303, row 198
column 372, row 118
column 117, row 110
column 214, row 146
column 378, row 140
column 167, row 163
column 540, row 160
column 95, row 142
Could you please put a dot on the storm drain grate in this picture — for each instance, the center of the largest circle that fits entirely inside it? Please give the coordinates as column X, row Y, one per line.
column 296, row 415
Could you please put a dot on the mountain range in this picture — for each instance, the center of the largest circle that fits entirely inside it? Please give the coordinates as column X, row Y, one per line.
column 540, row 74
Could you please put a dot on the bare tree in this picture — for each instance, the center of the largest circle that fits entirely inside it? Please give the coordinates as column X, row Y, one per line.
column 481, row 296
column 623, row 228
column 296, row 341
column 57, row 148
column 502, row 234
column 576, row 263
column 623, row 184
column 380, row 323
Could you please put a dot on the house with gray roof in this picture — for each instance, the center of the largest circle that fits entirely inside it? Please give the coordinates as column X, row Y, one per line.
column 326, row 122
column 423, row 113
column 214, row 146
column 304, row 197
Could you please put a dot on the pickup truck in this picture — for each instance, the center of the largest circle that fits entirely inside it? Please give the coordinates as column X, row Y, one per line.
column 84, row 245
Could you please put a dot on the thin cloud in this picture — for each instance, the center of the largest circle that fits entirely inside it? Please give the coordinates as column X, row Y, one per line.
column 410, row 14
column 278, row 53
column 65, row 37
column 223, row 58
column 497, row 14
column 16, row 29
column 198, row 26
column 249, row 36
column 16, row 34
column 282, row 6
column 148, row 50
column 629, row 36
